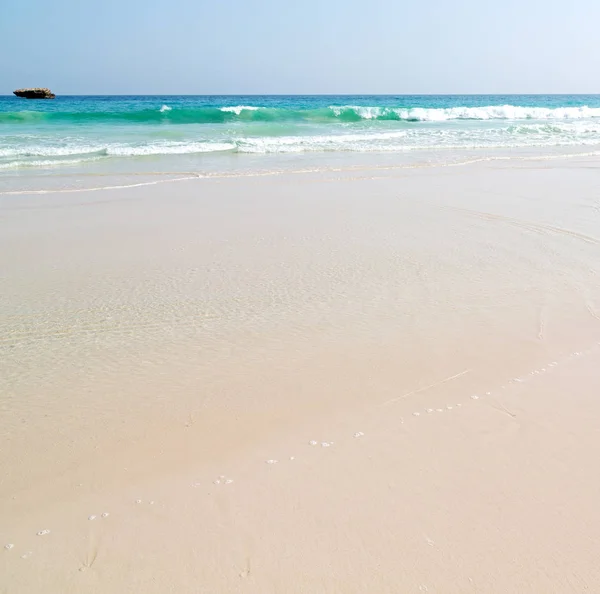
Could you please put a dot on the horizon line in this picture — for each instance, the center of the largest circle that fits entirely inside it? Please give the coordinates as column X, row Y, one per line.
column 311, row 94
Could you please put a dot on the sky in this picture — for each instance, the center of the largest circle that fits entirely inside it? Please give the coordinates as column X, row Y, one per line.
column 300, row 46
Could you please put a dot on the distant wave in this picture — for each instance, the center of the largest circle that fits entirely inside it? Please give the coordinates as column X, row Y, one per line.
column 342, row 113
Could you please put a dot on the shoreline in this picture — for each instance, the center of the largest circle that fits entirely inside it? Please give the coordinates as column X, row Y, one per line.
column 529, row 154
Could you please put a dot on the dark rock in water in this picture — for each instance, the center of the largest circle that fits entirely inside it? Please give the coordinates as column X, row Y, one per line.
column 35, row 93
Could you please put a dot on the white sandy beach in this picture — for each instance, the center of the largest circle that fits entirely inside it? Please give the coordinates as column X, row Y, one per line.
column 372, row 381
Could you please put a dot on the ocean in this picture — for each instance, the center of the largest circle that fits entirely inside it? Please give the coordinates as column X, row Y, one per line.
column 210, row 135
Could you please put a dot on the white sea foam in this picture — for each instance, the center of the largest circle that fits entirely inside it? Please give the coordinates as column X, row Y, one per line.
column 165, row 108
column 42, row 163
column 297, row 144
column 490, row 112
column 181, row 148
column 52, row 151
column 40, row 156
column 237, row 109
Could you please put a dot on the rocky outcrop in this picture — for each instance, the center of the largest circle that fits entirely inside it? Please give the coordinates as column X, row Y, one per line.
column 35, row 93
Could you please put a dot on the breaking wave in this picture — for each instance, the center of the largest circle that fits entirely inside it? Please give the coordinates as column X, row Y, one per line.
column 341, row 113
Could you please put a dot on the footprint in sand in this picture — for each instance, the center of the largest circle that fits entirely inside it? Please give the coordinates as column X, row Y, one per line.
column 43, row 532
column 9, row 546
column 223, row 480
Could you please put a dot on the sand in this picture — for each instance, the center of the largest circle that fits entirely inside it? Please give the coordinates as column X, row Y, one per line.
column 378, row 380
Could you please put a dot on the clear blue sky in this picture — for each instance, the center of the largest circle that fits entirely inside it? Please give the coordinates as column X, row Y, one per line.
column 304, row 46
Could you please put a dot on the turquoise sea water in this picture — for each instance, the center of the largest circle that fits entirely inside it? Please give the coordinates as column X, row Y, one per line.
column 209, row 133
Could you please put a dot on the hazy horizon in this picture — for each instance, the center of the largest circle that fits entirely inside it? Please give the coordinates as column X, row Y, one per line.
column 312, row 94
column 263, row 48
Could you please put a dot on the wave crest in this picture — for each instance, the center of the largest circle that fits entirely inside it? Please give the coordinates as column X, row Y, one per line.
column 238, row 109
column 333, row 113
column 490, row 112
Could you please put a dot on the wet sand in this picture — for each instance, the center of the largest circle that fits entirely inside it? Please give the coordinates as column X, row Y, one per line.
column 368, row 381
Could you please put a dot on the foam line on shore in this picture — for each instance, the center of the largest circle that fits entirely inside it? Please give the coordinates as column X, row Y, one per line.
column 198, row 175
